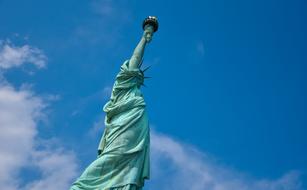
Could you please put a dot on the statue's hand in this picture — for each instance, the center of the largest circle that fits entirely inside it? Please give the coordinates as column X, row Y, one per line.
column 148, row 33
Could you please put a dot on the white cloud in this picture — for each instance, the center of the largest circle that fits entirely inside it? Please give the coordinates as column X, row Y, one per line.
column 58, row 168
column 179, row 166
column 21, row 111
column 12, row 56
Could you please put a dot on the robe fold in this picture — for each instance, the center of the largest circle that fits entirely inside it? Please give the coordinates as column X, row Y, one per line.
column 123, row 160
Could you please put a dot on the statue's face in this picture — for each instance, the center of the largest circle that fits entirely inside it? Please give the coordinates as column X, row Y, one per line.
column 148, row 33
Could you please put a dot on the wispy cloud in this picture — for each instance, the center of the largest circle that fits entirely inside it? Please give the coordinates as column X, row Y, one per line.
column 179, row 166
column 98, row 125
column 200, row 48
column 97, row 128
column 21, row 111
column 112, row 9
column 14, row 56
column 57, row 166
column 104, row 8
column 100, row 95
column 106, row 24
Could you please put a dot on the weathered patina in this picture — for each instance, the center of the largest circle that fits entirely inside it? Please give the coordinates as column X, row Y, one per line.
column 123, row 152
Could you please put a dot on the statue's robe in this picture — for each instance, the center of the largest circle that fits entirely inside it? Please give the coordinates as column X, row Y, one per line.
column 123, row 160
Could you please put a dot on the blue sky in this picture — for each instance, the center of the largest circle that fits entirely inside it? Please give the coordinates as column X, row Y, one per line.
column 227, row 101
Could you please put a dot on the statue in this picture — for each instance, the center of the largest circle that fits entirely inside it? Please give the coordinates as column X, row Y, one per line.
column 123, row 152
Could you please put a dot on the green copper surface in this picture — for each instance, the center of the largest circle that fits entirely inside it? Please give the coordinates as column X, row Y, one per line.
column 123, row 152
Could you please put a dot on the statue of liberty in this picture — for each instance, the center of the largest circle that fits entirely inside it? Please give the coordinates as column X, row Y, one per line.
column 123, row 152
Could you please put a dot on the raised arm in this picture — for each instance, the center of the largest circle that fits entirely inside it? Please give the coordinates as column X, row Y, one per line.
column 137, row 56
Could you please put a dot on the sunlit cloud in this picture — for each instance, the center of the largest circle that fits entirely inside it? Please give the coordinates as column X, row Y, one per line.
column 14, row 56
column 176, row 165
column 57, row 166
column 21, row 112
